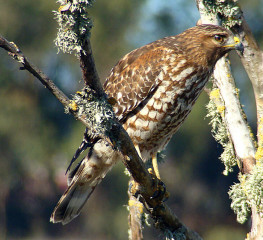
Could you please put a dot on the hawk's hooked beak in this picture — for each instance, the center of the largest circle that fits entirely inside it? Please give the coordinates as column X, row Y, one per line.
column 234, row 43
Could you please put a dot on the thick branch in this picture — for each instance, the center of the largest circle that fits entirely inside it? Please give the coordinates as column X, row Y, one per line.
column 252, row 59
column 235, row 122
column 160, row 212
column 243, row 142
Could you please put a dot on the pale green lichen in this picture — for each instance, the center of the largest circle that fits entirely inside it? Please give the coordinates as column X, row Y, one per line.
column 219, row 130
column 97, row 111
column 74, row 25
column 228, row 11
column 248, row 192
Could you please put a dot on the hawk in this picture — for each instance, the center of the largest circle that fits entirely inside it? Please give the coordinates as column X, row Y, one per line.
column 155, row 87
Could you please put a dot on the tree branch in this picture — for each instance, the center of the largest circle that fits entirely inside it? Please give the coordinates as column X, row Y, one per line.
column 234, row 117
column 164, row 218
column 15, row 52
column 88, row 68
column 252, row 59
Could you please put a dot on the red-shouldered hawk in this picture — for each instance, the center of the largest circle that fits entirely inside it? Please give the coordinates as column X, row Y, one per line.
column 155, row 87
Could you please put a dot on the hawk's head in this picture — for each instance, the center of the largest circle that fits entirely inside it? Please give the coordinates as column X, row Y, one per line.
column 208, row 43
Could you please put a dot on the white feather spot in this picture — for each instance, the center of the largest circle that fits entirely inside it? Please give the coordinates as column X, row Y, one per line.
column 180, row 64
column 138, row 122
column 137, row 133
column 145, row 123
column 161, row 76
column 147, row 70
column 157, row 105
column 183, row 74
column 152, row 114
column 165, row 106
column 145, row 135
column 144, row 111
column 129, row 131
column 164, row 68
column 162, row 89
column 152, row 125
column 151, row 102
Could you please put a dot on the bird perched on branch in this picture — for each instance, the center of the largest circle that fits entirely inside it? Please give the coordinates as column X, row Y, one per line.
column 155, row 87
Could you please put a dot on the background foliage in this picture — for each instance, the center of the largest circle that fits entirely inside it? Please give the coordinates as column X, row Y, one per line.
column 37, row 140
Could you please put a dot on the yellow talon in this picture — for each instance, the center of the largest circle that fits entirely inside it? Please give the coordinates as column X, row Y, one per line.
column 155, row 166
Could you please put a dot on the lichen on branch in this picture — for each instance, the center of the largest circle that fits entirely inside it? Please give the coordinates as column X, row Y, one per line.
column 248, row 192
column 97, row 112
column 74, row 25
column 229, row 11
column 216, row 109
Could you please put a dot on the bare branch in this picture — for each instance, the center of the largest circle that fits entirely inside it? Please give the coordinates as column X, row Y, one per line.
column 15, row 52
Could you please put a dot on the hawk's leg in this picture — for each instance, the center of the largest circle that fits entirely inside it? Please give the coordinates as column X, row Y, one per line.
column 138, row 151
column 155, row 166
column 160, row 191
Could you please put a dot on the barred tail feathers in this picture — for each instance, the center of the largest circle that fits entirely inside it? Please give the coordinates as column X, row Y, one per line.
column 71, row 203
column 83, row 180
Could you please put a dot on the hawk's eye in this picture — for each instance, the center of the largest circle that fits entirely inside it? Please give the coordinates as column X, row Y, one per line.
column 219, row 38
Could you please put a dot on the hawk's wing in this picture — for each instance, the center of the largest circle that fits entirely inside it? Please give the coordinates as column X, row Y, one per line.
column 137, row 75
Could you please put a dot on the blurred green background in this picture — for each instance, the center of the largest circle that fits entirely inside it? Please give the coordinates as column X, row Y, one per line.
column 37, row 140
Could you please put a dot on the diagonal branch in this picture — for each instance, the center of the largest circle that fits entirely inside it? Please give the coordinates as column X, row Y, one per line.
column 164, row 218
column 15, row 52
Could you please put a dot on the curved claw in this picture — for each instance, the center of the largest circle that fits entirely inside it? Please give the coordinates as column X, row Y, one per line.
column 160, row 192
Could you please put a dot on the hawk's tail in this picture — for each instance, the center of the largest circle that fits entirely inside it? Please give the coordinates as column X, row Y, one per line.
column 72, row 201
column 83, row 180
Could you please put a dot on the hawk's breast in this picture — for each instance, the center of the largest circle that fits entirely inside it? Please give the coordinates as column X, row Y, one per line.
column 159, row 116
